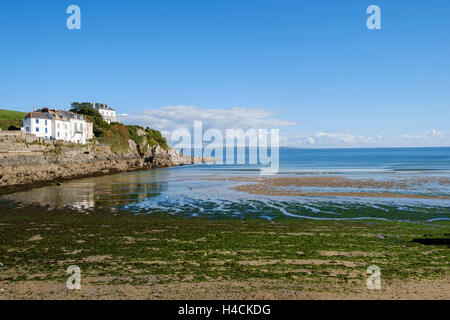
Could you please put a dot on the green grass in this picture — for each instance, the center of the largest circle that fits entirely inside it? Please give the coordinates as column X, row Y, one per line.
column 11, row 115
column 11, row 118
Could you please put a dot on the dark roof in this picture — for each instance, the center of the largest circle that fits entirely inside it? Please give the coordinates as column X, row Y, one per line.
column 58, row 116
column 38, row 115
column 102, row 106
column 69, row 114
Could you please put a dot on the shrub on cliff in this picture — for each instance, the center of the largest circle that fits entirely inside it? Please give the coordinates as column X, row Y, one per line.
column 152, row 137
column 155, row 137
column 117, row 138
column 117, row 134
column 133, row 132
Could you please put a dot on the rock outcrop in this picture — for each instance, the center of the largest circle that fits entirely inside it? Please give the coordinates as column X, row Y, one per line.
column 27, row 162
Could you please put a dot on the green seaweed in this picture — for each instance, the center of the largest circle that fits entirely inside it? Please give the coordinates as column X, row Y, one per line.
column 174, row 248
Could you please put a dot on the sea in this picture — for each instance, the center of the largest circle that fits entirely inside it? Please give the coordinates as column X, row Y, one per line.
column 421, row 195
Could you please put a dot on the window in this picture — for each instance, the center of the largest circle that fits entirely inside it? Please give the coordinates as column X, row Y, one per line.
column 58, row 134
column 27, row 129
column 45, row 130
column 81, row 126
column 57, row 126
column 45, row 122
column 37, row 120
column 37, row 129
column 76, row 126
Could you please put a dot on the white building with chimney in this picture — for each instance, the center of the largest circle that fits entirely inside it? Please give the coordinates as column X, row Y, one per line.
column 108, row 114
column 58, row 125
column 38, row 123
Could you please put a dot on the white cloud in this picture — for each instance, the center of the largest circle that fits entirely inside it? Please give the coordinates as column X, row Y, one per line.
column 325, row 140
column 433, row 133
column 431, row 137
column 341, row 140
column 179, row 117
column 168, row 119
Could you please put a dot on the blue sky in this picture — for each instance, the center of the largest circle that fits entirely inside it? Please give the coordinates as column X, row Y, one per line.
column 311, row 68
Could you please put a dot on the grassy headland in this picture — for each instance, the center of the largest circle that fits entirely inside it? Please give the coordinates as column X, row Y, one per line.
column 10, row 118
column 115, row 134
column 163, row 256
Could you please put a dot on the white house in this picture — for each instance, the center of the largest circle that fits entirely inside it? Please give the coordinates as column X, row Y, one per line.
column 89, row 132
column 39, row 124
column 61, row 129
column 108, row 114
column 77, row 126
column 58, row 125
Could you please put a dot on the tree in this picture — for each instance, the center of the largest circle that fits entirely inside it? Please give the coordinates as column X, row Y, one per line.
column 86, row 108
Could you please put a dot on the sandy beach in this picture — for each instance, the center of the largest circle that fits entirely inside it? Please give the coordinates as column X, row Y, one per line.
column 337, row 186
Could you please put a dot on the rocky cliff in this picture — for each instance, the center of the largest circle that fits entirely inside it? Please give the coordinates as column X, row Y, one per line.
column 27, row 161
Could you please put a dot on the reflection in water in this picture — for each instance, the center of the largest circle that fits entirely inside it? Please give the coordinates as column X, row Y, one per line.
column 88, row 193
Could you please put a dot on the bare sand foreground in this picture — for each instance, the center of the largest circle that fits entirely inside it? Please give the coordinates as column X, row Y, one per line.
column 218, row 290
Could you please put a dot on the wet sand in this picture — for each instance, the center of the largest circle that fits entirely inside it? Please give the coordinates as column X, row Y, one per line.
column 260, row 289
column 334, row 186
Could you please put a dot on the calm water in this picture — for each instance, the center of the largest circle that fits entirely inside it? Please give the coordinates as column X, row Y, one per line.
column 190, row 190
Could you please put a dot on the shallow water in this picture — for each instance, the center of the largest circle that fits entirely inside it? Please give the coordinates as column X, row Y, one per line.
column 206, row 190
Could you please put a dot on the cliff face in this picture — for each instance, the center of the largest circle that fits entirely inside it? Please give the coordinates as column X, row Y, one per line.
column 26, row 161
